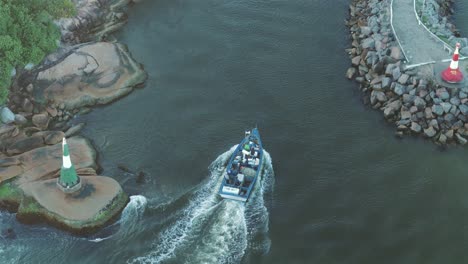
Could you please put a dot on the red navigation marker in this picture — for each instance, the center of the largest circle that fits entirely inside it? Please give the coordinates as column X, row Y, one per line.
column 453, row 74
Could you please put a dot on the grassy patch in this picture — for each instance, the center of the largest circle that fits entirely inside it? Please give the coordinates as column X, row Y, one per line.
column 8, row 191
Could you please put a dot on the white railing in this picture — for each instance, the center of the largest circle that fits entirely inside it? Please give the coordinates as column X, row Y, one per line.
column 445, row 44
column 394, row 33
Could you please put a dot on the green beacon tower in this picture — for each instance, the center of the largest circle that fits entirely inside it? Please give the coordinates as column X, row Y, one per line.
column 68, row 181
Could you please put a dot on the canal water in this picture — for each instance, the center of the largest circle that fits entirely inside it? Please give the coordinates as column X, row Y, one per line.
column 337, row 187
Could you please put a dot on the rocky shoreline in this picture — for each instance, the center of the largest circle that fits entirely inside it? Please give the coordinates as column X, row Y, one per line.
column 88, row 69
column 414, row 102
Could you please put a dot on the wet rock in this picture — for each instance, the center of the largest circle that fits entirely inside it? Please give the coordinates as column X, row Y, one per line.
column 115, row 76
column 415, row 127
column 460, row 139
column 25, row 145
column 443, row 139
column 6, row 115
column 449, row 134
column 54, row 137
column 350, row 73
column 438, row 110
column 391, row 108
column 74, row 129
column 430, row 132
column 356, row 60
column 41, row 120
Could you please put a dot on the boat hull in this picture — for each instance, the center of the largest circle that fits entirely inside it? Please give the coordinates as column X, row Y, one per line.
column 240, row 190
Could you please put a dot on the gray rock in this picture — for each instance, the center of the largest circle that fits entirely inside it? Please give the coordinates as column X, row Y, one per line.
column 27, row 106
column 446, row 107
column 408, row 99
column 400, row 89
column 433, row 123
column 366, row 31
column 389, row 69
column 20, row 119
column 405, row 115
column 54, row 137
column 380, row 96
column 464, row 109
column 391, row 108
column 461, row 140
column 41, row 120
column 450, row 118
column 419, row 102
column 356, row 60
column 396, row 53
column 350, row 72
column 25, row 145
column 386, row 82
column 403, row 78
column 415, row 127
column 443, row 139
column 438, row 110
column 462, row 95
column 30, row 88
column 442, row 93
column 429, row 132
column 74, row 129
column 455, row 101
column 6, row 115
column 413, row 109
column 449, row 134
column 368, row 43
column 396, row 73
column 428, row 113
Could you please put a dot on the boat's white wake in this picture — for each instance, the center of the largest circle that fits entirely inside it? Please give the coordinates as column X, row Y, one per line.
column 130, row 219
column 213, row 230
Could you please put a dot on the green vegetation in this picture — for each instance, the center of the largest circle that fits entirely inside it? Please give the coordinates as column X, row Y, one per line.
column 8, row 191
column 27, row 34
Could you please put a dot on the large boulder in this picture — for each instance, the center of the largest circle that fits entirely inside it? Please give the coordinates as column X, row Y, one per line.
column 25, row 144
column 95, row 73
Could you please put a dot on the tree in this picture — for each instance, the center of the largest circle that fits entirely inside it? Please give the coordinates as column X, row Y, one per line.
column 27, row 34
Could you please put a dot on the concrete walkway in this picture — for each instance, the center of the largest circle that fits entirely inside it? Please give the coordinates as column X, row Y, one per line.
column 417, row 43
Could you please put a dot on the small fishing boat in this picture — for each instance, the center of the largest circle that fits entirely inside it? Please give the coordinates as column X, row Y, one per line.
column 243, row 168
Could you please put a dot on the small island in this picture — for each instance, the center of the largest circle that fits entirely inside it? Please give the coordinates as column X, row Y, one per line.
column 68, row 64
column 79, row 204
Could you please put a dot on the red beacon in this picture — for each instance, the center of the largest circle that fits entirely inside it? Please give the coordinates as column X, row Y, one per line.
column 453, row 74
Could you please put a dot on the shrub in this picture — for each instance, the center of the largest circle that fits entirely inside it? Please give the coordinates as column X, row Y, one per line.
column 27, row 34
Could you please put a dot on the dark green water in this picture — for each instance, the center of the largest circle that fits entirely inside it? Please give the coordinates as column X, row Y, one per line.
column 344, row 190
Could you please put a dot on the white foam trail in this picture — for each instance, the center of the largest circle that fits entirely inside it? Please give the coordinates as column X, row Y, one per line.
column 212, row 230
column 130, row 217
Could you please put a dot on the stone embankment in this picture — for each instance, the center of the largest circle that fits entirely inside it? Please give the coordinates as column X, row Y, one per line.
column 43, row 102
column 412, row 101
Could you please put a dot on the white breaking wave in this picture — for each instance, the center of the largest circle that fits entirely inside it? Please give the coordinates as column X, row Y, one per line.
column 211, row 229
column 130, row 217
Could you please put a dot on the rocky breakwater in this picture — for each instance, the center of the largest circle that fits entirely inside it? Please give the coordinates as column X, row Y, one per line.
column 28, row 187
column 407, row 98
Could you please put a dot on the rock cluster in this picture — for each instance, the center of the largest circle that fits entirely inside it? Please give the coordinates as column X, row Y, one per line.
column 414, row 104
